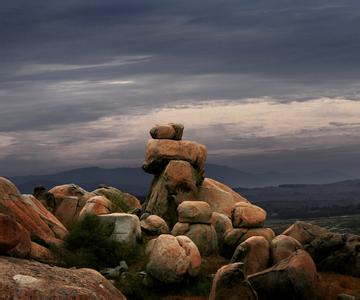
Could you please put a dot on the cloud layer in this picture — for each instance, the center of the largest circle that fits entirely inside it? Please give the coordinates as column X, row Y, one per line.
column 264, row 84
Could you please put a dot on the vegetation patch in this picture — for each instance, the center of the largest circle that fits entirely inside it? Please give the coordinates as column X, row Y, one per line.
column 89, row 244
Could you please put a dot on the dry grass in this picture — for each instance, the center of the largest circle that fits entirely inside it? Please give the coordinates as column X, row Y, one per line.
column 332, row 284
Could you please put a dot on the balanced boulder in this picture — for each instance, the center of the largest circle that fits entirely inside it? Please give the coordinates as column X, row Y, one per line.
column 194, row 212
column 247, row 215
column 171, row 258
column 160, row 152
column 170, row 131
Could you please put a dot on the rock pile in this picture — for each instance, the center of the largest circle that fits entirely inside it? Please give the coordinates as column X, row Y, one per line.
column 179, row 167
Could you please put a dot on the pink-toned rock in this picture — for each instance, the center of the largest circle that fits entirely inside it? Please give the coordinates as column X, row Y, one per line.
column 254, row 253
column 305, row 232
column 170, row 131
column 220, row 197
column 23, row 279
column 233, row 237
column 283, row 246
column 171, row 258
column 97, row 205
column 56, row 226
column 42, row 254
column 203, row 235
column 14, row 238
column 160, row 152
column 30, row 214
column 247, row 215
column 230, row 283
column 267, row 233
column 154, row 225
column 294, row 277
column 69, row 201
column 177, row 183
column 194, row 212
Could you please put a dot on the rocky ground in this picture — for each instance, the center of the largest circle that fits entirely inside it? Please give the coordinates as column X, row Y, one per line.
column 193, row 238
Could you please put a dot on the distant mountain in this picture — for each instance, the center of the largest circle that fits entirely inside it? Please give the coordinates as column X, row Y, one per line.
column 137, row 182
column 307, row 200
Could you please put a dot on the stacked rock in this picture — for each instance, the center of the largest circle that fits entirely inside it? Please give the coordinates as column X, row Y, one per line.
column 195, row 223
column 247, row 220
column 178, row 167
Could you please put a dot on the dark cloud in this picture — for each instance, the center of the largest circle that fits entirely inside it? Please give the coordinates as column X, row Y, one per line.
column 68, row 64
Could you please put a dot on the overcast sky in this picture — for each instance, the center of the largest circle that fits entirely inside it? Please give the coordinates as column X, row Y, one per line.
column 265, row 85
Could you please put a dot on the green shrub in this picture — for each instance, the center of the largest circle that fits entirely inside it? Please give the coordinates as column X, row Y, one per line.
column 88, row 244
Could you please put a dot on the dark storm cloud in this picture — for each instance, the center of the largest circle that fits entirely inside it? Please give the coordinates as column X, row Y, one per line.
column 70, row 63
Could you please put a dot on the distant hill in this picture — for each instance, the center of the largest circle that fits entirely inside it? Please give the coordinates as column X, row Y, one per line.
column 311, row 200
column 137, row 182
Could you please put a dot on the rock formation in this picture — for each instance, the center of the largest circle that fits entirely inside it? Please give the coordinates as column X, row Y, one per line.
column 24, row 279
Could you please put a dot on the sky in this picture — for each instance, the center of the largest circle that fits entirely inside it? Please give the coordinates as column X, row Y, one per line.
column 266, row 85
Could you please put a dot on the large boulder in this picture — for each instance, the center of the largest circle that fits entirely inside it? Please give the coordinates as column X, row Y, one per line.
column 232, row 238
column 171, row 258
column 153, row 224
column 221, row 224
column 24, row 279
column 43, row 226
column 160, row 152
column 97, row 205
column 69, row 201
column 203, row 235
column 294, row 277
column 194, row 212
column 230, row 283
column 283, row 246
column 177, row 183
column 247, row 215
column 220, row 197
column 127, row 230
column 170, row 131
column 14, row 238
column 331, row 251
column 121, row 202
column 254, row 253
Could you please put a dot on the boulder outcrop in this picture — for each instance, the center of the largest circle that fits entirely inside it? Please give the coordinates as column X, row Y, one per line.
column 194, row 212
column 41, row 224
column 247, row 215
column 294, row 277
column 24, row 279
column 331, row 251
column 283, row 246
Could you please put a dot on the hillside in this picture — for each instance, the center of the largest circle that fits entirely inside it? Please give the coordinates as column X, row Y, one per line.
column 307, row 200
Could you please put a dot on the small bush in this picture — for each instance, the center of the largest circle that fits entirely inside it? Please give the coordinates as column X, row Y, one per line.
column 88, row 244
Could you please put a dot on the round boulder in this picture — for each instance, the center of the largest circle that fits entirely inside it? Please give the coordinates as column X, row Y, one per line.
column 247, row 215
column 153, row 224
column 203, row 235
column 171, row 258
column 194, row 212
column 283, row 246
column 254, row 253
column 170, row 131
